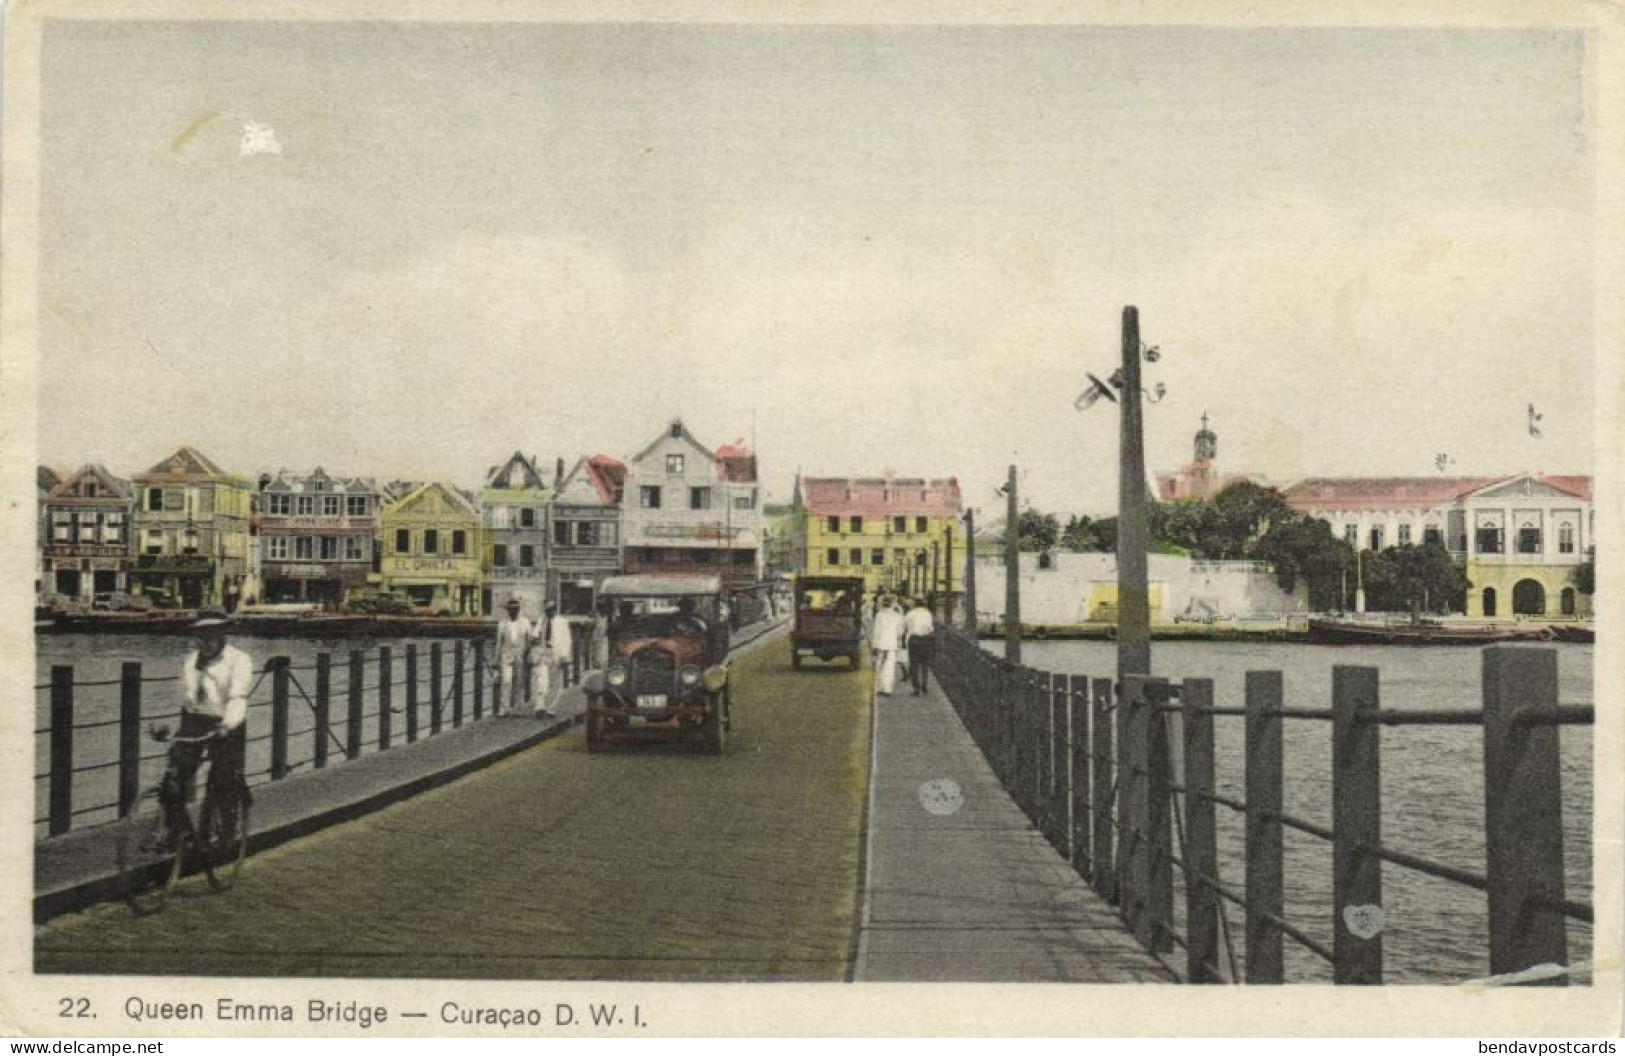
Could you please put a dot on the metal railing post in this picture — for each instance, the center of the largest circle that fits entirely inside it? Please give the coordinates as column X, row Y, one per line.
column 1104, row 791
column 281, row 678
column 1265, row 849
column 324, row 675
column 352, row 726
column 386, row 697
column 61, row 784
column 1523, row 811
column 1201, row 851
column 411, row 692
column 1077, row 732
column 1133, row 859
column 457, row 684
column 129, row 737
column 436, row 670
column 1159, row 794
column 1356, row 827
column 1057, row 797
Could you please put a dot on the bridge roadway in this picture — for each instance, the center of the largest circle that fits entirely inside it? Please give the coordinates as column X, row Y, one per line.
column 796, row 855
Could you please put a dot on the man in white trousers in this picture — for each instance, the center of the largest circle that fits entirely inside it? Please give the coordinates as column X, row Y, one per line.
column 885, row 639
column 555, row 647
column 513, row 639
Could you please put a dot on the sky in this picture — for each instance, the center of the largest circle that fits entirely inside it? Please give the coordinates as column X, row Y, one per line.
column 409, row 250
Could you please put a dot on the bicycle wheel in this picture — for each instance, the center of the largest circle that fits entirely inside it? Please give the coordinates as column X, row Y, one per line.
column 149, row 856
column 223, row 832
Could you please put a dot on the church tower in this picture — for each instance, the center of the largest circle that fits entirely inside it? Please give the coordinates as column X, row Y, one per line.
column 1207, row 442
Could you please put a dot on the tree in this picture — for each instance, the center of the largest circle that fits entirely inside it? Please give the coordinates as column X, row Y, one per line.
column 1243, row 514
column 1585, row 576
column 1414, row 579
column 1300, row 547
column 1037, row 531
column 1081, row 536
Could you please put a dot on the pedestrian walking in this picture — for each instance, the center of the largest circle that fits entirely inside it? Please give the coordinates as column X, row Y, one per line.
column 600, row 637
column 885, row 640
column 919, row 639
column 514, row 636
column 555, row 648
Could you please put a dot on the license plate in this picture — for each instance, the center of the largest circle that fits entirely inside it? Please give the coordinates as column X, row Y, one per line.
column 652, row 700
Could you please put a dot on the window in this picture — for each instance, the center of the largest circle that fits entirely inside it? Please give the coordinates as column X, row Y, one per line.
column 745, row 502
column 1528, row 540
column 856, row 555
column 304, row 505
column 857, row 525
column 459, row 541
column 155, row 541
column 674, row 463
column 113, row 528
column 356, row 505
column 355, row 548
column 431, row 540
column 498, row 516
column 329, row 550
column 899, row 525
column 88, row 528
column 189, row 541
column 833, row 525
column 1488, row 540
column 899, row 555
column 877, row 556
column 62, row 527
column 1565, row 539
column 832, row 557
column 527, row 556
column 1376, row 538
column 332, row 505
column 1404, row 535
column 1432, row 536
column 699, row 498
column 1351, row 534
column 174, row 499
column 649, row 496
column 561, row 532
column 155, row 499
column 304, row 547
column 919, row 525
column 278, row 505
column 499, row 555
column 403, row 540
column 276, row 548
column 527, row 517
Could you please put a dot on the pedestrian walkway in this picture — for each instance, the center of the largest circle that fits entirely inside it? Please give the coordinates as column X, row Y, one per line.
column 80, row 867
column 960, row 886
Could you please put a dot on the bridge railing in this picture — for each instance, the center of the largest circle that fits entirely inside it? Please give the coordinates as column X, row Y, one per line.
column 1095, row 771
column 326, row 709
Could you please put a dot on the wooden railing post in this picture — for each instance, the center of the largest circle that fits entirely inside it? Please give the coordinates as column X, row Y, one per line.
column 352, row 726
column 1265, row 888
column 436, row 669
column 1077, row 733
column 411, row 681
column 61, row 784
column 386, row 697
column 1201, row 850
column 457, row 684
column 1134, row 859
column 1159, row 795
column 129, row 737
column 1104, row 789
column 1356, row 827
column 324, row 677
column 281, row 678
column 1523, row 811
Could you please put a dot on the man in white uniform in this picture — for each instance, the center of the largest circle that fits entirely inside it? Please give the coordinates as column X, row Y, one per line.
column 555, row 650
column 885, row 639
column 513, row 638
column 216, row 679
column 918, row 627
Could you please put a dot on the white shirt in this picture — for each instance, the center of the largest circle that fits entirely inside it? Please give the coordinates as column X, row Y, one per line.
column 918, row 622
column 562, row 643
column 888, row 629
column 512, row 638
column 220, row 690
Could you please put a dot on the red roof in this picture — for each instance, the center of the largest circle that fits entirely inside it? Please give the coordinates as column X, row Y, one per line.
column 608, row 476
column 880, row 497
column 1405, row 493
column 735, row 463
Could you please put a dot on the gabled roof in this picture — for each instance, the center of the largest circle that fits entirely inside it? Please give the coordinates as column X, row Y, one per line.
column 1379, row 494
column 186, row 463
column 519, row 472
column 47, row 478
column 318, row 481
column 70, row 488
column 595, row 480
column 455, row 495
column 735, row 463
column 880, row 496
column 676, row 430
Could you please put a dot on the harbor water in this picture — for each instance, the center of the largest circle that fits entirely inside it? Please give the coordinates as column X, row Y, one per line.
column 1432, row 790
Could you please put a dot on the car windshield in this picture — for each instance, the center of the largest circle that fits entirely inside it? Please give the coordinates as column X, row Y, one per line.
column 655, row 618
column 816, row 600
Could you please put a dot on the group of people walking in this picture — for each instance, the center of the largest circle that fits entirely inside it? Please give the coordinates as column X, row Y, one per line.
column 895, row 634
column 529, row 660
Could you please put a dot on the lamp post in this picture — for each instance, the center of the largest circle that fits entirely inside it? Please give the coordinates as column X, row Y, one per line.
column 1133, row 589
column 970, row 573
column 1012, row 574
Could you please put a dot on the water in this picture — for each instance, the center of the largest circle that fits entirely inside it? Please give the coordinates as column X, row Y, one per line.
column 97, row 658
column 1432, row 790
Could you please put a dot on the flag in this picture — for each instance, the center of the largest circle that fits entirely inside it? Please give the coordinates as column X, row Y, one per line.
column 1534, row 417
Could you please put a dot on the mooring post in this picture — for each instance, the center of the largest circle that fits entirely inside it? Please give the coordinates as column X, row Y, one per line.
column 129, row 736
column 386, row 697
column 324, row 687
column 1201, row 835
column 352, row 726
column 281, row 677
column 1265, row 849
column 1356, row 827
column 1523, row 811
column 411, row 681
column 61, row 784
column 1077, row 733
column 1104, row 789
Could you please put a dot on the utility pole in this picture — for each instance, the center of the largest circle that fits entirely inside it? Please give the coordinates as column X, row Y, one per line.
column 948, row 573
column 1133, row 590
column 933, row 594
column 970, row 574
column 1012, row 575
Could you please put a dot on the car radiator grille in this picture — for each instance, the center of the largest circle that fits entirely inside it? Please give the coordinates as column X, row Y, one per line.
column 653, row 671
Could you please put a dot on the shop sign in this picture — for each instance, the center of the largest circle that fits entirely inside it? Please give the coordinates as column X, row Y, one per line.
column 424, row 564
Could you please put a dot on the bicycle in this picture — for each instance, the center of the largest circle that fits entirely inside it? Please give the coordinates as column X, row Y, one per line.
column 156, row 847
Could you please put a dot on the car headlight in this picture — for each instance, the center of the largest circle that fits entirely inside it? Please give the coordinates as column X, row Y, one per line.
column 715, row 678
column 689, row 676
column 616, row 676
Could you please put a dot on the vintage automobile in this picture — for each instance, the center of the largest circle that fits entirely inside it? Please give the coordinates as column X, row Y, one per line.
column 667, row 673
column 829, row 619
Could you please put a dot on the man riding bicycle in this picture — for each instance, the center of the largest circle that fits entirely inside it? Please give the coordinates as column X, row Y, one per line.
column 216, row 679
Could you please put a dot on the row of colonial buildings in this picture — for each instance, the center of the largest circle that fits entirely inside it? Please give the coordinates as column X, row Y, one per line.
column 187, row 533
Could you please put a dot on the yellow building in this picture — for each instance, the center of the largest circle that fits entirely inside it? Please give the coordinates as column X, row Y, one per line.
column 191, row 533
column 431, row 549
column 898, row 533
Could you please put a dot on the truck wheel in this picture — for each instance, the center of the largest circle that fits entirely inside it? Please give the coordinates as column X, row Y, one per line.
column 595, row 733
